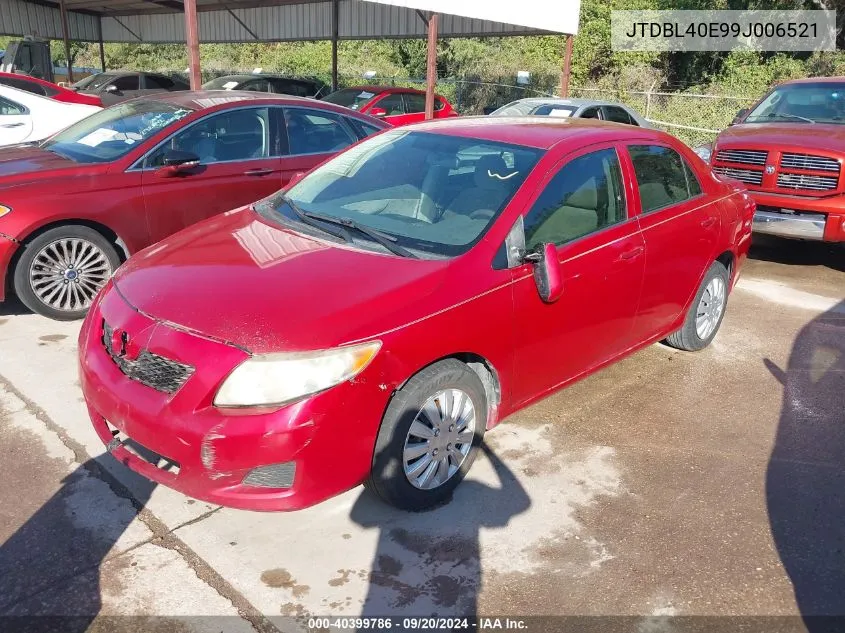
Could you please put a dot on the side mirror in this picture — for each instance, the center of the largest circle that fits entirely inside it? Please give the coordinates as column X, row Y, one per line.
column 296, row 178
column 546, row 272
column 377, row 112
column 739, row 116
column 176, row 162
column 111, row 88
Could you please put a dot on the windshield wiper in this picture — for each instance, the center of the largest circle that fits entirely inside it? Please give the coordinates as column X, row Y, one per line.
column 305, row 218
column 388, row 241
column 787, row 116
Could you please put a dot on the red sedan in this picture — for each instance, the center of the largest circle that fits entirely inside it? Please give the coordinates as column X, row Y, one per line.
column 372, row 321
column 73, row 207
column 47, row 89
column 397, row 106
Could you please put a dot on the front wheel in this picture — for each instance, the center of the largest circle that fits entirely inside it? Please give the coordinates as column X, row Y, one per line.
column 706, row 313
column 429, row 437
column 61, row 271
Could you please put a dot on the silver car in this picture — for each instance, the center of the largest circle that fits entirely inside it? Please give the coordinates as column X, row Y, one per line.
column 572, row 108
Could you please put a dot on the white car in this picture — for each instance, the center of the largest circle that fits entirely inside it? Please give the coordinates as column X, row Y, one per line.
column 26, row 117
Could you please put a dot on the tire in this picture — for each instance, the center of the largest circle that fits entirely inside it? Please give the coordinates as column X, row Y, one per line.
column 84, row 260
column 388, row 478
column 692, row 337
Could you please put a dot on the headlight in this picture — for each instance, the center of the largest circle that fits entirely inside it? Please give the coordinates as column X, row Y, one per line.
column 704, row 152
column 274, row 379
column 4, row 210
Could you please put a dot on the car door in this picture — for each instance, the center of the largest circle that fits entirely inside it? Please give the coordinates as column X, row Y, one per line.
column 120, row 89
column 15, row 122
column 393, row 106
column 414, row 107
column 583, row 208
column 681, row 230
column 239, row 151
column 312, row 136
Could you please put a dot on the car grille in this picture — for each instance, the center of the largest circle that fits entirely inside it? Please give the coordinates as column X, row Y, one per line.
column 806, row 161
column 743, row 156
column 804, row 181
column 749, row 176
column 152, row 370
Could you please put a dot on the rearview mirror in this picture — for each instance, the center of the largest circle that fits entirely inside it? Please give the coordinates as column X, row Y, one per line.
column 176, row 162
column 546, row 272
column 378, row 112
column 739, row 116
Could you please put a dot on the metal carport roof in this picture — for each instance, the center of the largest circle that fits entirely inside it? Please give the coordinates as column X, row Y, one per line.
column 163, row 21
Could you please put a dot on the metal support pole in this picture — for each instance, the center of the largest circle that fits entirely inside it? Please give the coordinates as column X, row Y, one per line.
column 335, row 19
column 567, row 64
column 66, row 38
column 102, row 49
column 431, row 66
column 193, row 39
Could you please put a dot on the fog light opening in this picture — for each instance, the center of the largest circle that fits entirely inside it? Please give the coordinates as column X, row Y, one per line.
column 271, row 476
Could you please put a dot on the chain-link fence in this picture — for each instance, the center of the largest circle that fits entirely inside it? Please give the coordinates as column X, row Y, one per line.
column 694, row 118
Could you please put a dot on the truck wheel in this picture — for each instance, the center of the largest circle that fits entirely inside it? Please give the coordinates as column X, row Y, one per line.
column 61, row 271
column 429, row 437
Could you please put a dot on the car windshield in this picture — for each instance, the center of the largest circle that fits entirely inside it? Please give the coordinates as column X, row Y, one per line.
column 93, row 82
column 810, row 103
column 223, row 83
column 350, row 97
column 114, row 132
column 517, row 108
column 434, row 194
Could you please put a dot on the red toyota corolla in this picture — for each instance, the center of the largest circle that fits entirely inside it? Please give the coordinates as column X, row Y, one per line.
column 396, row 105
column 371, row 322
column 75, row 205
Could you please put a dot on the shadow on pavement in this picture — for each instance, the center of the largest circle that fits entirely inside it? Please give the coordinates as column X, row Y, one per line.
column 797, row 252
column 429, row 563
column 12, row 306
column 805, row 482
column 51, row 565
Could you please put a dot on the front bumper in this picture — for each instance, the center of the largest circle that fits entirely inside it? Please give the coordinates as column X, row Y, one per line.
column 8, row 247
column 818, row 219
column 325, row 441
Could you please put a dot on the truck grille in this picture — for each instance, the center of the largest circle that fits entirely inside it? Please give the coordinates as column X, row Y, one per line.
column 806, row 161
column 152, row 370
column 804, row 181
column 743, row 156
column 749, row 176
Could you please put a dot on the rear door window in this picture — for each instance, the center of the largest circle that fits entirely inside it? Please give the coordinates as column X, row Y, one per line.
column 663, row 177
column 127, row 82
column 414, row 103
column 316, row 132
column 158, row 82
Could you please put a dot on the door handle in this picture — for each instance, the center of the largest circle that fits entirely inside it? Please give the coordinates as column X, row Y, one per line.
column 708, row 222
column 260, row 171
column 632, row 254
column 5, row 125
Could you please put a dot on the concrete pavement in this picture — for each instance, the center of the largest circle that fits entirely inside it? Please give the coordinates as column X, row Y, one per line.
column 669, row 483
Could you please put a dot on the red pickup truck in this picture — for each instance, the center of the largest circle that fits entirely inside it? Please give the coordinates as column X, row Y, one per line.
column 788, row 150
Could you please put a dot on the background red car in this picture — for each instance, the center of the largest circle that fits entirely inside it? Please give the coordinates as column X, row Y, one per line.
column 372, row 321
column 397, row 106
column 130, row 175
column 48, row 89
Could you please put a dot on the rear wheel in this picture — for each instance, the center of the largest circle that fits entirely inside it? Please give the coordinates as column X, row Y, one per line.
column 429, row 437
column 706, row 313
column 60, row 272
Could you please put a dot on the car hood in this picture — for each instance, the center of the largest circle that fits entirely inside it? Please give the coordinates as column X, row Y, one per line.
column 18, row 160
column 827, row 137
column 242, row 279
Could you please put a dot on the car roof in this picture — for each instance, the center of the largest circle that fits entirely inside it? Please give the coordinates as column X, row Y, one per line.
column 204, row 99
column 561, row 101
column 248, row 76
column 814, row 80
column 541, row 132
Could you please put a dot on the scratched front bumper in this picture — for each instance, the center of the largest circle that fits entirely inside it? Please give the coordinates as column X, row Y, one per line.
column 216, row 449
